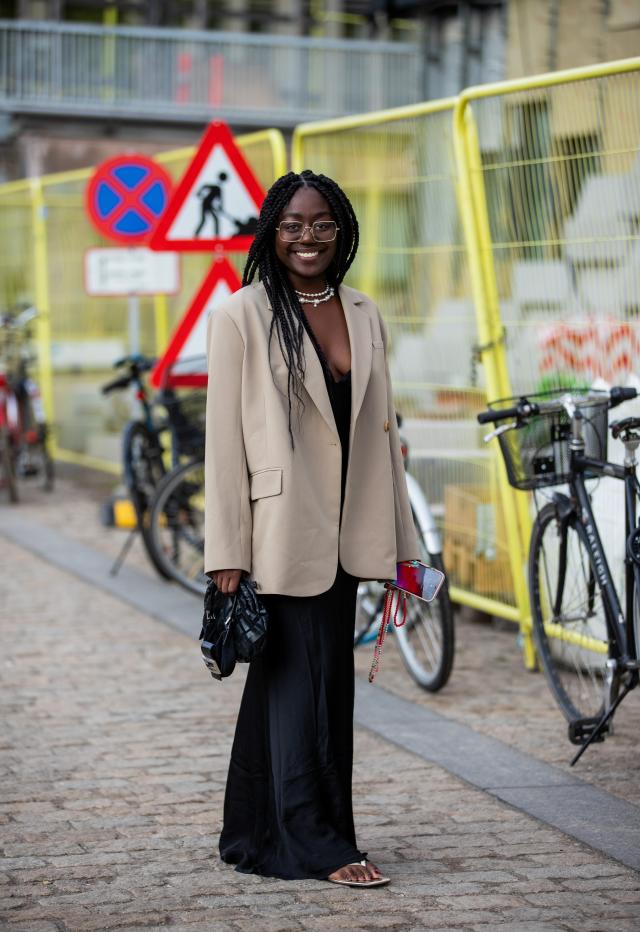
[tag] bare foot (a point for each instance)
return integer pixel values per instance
(357, 873)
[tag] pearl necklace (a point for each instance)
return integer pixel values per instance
(315, 298)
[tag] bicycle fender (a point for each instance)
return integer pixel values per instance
(424, 515)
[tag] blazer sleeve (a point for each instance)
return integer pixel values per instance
(407, 547)
(228, 525)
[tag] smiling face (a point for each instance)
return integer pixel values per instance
(306, 261)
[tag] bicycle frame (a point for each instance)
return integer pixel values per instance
(619, 624)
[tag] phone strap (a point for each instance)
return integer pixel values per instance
(384, 624)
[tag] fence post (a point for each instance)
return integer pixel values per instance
(473, 211)
(42, 303)
(161, 322)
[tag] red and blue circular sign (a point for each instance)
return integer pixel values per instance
(127, 196)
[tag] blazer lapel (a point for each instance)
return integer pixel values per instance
(315, 384)
(361, 350)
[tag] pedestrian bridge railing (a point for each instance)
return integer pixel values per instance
(188, 76)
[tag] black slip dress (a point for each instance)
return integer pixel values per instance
(288, 806)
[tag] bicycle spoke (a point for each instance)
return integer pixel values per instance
(429, 642)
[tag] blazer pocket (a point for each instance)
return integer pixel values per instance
(378, 344)
(265, 482)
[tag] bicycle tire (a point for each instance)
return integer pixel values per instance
(143, 471)
(427, 639)
(176, 527)
(564, 592)
(49, 474)
(7, 466)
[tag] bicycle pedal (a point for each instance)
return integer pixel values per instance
(582, 728)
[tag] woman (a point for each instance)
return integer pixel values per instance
(305, 490)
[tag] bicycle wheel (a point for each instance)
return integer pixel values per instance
(177, 526)
(143, 470)
(569, 623)
(34, 461)
(7, 466)
(427, 638)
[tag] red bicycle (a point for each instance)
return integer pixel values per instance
(24, 451)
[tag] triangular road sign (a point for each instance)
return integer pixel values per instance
(184, 362)
(217, 202)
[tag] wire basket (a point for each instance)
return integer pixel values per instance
(186, 419)
(536, 452)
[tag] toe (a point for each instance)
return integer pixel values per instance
(373, 872)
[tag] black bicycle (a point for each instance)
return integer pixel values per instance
(587, 642)
(143, 450)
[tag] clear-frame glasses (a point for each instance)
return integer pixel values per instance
(322, 231)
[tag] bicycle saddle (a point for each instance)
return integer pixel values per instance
(625, 424)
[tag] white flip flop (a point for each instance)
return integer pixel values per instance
(379, 882)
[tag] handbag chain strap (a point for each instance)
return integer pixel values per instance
(384, 624)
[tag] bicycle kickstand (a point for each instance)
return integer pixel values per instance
(124, 550)
(597, 731)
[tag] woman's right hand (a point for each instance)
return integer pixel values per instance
(226, 581)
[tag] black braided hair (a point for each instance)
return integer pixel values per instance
(262, 260)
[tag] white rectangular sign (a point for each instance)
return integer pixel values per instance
(134, 271)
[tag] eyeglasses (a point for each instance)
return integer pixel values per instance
(322, 231)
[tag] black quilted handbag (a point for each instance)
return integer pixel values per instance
(234, 628)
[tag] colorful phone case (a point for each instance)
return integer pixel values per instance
(418, 579)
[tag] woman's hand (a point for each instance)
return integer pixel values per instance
(226, 581)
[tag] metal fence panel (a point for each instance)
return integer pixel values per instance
(551, 170)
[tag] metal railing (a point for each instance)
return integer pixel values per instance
(149, 74)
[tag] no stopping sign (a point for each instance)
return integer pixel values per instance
(126, 197)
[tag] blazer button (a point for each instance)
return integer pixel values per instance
(386, 427)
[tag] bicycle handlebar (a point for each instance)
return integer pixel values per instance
(141, 363)
(526, 408)
(123, 382)
(137, 364)
(617, 395)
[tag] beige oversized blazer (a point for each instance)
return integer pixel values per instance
(274, 511)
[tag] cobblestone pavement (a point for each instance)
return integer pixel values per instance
(115, 743)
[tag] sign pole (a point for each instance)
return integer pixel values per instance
(134, 324)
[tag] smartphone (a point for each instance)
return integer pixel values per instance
(417, 578)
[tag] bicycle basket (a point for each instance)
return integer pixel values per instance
(186, 419)
(536, 451)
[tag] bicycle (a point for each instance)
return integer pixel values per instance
(586, 643)
(426, 640)
(24, 433)
(143, 454)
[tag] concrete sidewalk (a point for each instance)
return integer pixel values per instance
(116, 743)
